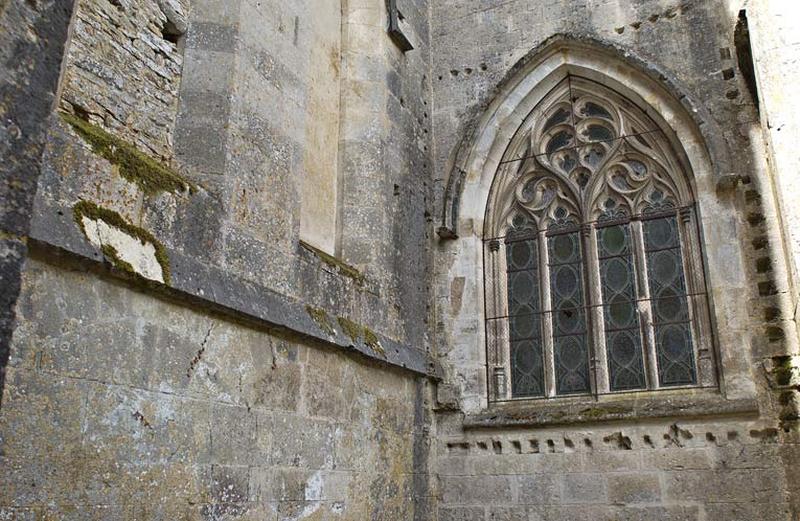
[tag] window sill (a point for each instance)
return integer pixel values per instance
(692, 403)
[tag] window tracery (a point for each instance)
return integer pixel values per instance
(594, 279)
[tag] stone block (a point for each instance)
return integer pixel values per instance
(224, 12)
(461, 513)
(613, 460)
(626, 488)
(278, 388)
(538, 489)
(485, 490)
(236, 435)
(214, 37)
(229, 484)
(725, 486)
(302, 442)
(754, 511)
(584, 488)
(676, 459)
(202, 148)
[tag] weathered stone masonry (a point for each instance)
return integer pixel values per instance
(242, 272)
(614, 458)
(189, 239)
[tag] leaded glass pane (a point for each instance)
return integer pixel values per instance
(560, 140)
(599, 133)
(527, 368)
(571, 353)
(671, 320)
(596, 111)
(559, 116)
(623, 337)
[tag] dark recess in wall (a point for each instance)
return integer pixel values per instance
(744, 55)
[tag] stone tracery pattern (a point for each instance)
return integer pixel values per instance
(589, 162)
(593, 155)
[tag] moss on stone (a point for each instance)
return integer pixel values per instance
(599, 412)
(350, 328)
(782, 369)
(113, 256)
(92, 211)
(150, 175)
(357, 333)
(320, 317)
(338, 264)
(372, 341)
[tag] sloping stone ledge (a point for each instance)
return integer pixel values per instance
(689, 404)
(212, 288)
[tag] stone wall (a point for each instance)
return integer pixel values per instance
(120, 405)
(687, 471)
(773, 35)
(179, 353)
(649, 456)
(123, 69)
(31, 50)
(235, 109)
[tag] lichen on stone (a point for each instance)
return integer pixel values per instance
(92, 211)
(320, 317)
(150, 175)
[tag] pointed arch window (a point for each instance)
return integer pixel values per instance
(594, 276)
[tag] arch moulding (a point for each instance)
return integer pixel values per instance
(487, 135)
(692, 134)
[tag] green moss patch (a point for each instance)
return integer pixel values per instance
(337, 264)
(113, 256)
(92, 211)
(357, 333)
(150, 175)
(320, 317)
(371, 340)
(599, 412)
(782, 369)
(350, 328)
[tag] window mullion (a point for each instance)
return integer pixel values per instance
(502, 370)
(547, 323)
(696, 300)
(645, 306)
(496, 329)
(594, 312)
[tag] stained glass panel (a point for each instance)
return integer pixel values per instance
(623, 337)
(671, 320)
(527, 368)
(596, 111)
(559, 116)
(571, 353)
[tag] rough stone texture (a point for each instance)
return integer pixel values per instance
(134, 408)
(774, 40)
(557, 461)
(244, 132)
(687, 471)
(123, 72)
(268, 380)
(32, 40)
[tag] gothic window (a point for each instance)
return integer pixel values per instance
(594, 277)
